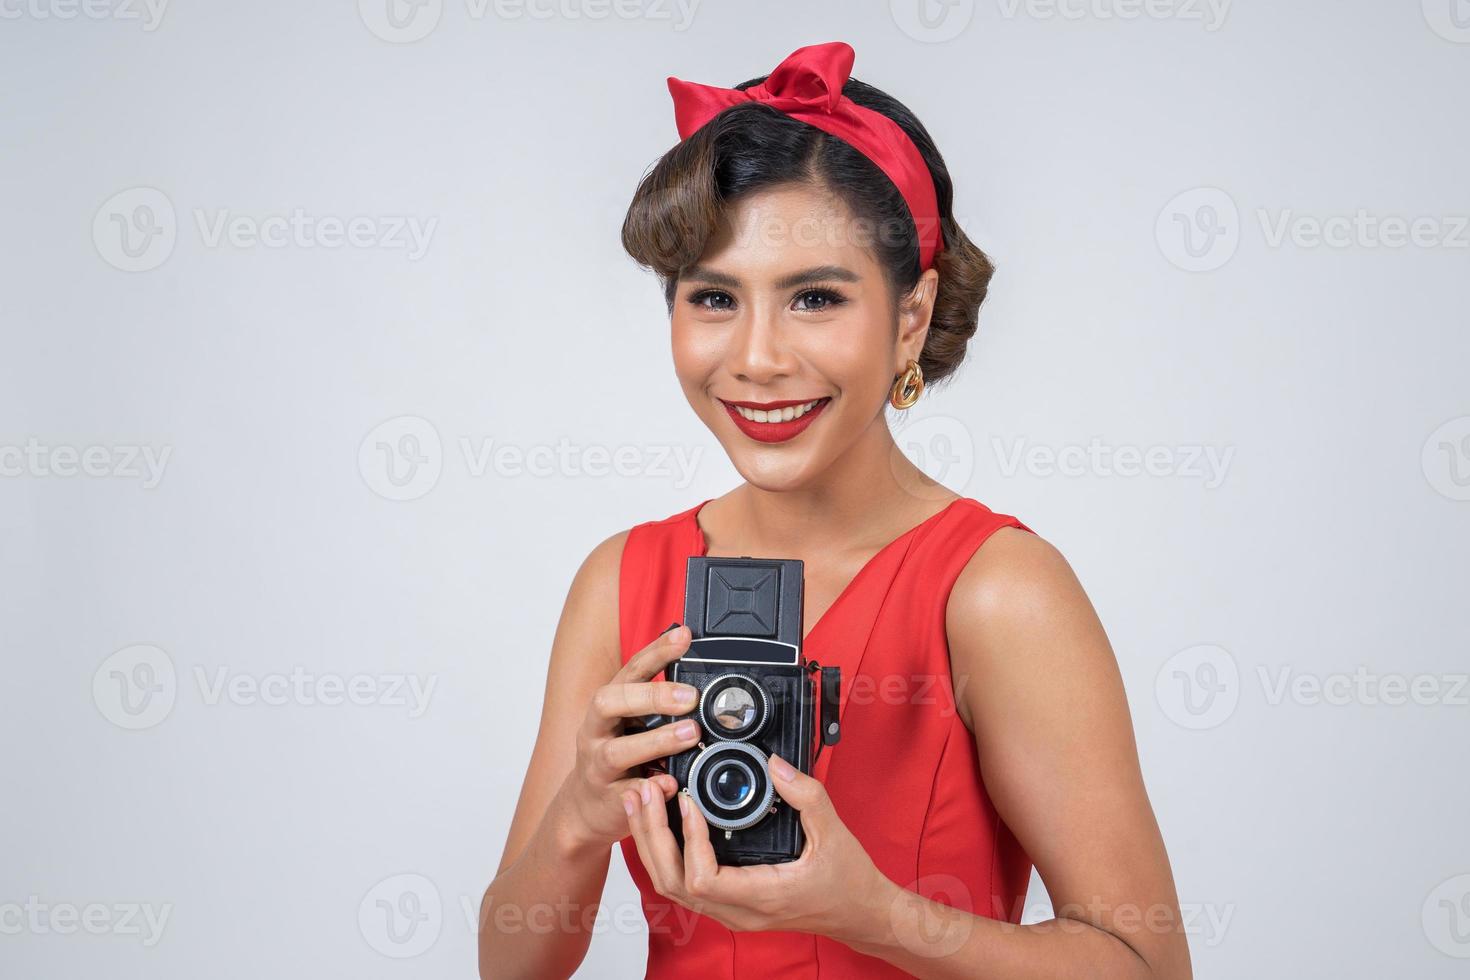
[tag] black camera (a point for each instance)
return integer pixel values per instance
(757, 695)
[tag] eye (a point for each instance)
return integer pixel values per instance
(713, 299)
(817, 300)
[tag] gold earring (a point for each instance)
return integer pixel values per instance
(908, 388)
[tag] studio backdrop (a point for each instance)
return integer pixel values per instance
(322, 369)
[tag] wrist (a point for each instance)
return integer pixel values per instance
(868, 924)
(569, 835)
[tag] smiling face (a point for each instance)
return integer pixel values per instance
(786, 339)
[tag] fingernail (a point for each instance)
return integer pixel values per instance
(679, 634)
(683, 804)
(627, 804)
(685, 729)
(684, 694)
(643, 791)
(782, 768)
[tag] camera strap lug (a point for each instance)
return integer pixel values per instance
(829, 680)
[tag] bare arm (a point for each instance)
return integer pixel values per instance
(536, 916)
(1046, 704)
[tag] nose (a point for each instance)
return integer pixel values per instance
(758, 351)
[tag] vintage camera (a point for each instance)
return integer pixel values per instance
(758, 695)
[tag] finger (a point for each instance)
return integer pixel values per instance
(647, 662)
(805, 793)
(706, 881)
(666, 876)
(636, 827)
(612, 702)
(662, 845)
(622, 753)
(666, 783)
(701, 867)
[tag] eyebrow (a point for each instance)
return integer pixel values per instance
(815, 273)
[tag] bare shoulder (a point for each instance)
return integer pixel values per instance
(1013, 576)
(590, 617)
(1019, 619)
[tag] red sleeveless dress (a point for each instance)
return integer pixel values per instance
(905, 778)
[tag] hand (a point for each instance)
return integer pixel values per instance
(591, 794)
(824, 891)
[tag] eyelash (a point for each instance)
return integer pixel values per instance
(831, 298)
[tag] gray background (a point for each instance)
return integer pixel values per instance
(326, 506)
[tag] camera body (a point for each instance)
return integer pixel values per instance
(758, 696)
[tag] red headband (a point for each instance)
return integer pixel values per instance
(808, 86)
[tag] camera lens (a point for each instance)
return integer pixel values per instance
(731, 783)
(728, 783)
(734, 706)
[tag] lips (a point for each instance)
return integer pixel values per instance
(775, 421)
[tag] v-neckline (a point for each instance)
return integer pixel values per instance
(701, 548)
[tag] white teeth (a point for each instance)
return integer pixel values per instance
(777, 414)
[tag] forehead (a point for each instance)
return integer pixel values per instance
(775, 229)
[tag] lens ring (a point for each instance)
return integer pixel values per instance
(729, 696)
(762, 795)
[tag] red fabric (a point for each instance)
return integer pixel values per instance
(808, 86)
(905, 777)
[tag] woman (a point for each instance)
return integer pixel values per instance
(813, 269)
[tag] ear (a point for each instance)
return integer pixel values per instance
(914, 313)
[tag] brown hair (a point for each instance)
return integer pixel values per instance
(679, 205)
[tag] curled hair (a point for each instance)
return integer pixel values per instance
(680, 205)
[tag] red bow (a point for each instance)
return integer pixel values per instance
(807, 86)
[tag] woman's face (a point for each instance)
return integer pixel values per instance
(786, 341)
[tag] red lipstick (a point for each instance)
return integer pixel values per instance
(774, 431)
